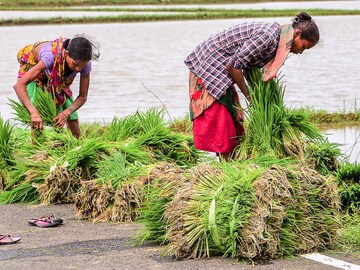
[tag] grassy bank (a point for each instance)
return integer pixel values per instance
(23, 3)
(202, 14)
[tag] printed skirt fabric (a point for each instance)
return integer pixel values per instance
(216, 123)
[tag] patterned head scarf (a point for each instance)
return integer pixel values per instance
(284, 46)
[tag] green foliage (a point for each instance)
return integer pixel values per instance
(152, 213)
(116, 169)
(6, 155)
(349, 173)
(323, 156)
(218, 208)
(348, 177)
(349, 234)
(271, 128)
(148, 130)
(44, 103)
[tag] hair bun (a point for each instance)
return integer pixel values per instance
(296, 19)
(301, 17)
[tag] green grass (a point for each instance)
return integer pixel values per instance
(22, 3)
(196, 14)
(349, 235)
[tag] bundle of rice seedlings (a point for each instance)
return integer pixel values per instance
(44, 102)
(59, 186)
(3, 178)
(86, 154)
(323, 156)
(149, 130)
(124, 179)
(163, 182)
(128, 199)
(53, 167)
(250, 210)
(204, 216)
(22, 178)
(134, 125)
(295, 212)
(271, 128)
(169, 146)
(92, 130)
(122, 128)
(127, 180)
(92, 200)
(6, 155)
(182, 125)
(348, 178)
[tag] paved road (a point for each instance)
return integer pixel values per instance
(80, 244)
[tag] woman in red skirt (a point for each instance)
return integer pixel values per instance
(220, 62)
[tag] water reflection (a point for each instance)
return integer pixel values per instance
(349, 140)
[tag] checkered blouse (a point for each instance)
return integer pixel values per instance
(243, 46)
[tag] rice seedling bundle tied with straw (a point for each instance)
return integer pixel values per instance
(251, 210)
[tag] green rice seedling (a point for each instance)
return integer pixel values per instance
(23, 193)
(114, 170)
(349, 234)
(181, 125)
(86, 153)
(151, 214)
(350, 197)
(44, 103)
(6, 155)
(216, 209)
(19, 137)
(166, 145)
(323, 156)
(151, 119)
(23, 179)
(164, 180)
(248, 210)
(348, 173)
(348, 178)
(122, 128)
(135, 125)
(271, 128)
(135, 154)
(92, 130)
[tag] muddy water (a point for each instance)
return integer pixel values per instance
(348, 139)
(141, 63)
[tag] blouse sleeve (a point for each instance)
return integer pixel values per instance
(86, 70)
(47, 56)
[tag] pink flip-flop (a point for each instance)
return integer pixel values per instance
(46, 221)
(7, 239)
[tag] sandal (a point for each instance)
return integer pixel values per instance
(46, 221)
(7, 239)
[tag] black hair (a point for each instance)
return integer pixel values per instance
(308, 27)
(81, 48)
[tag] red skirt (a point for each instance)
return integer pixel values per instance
(215, 130)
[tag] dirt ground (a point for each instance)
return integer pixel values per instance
(80, 244)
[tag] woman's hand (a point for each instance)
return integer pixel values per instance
(36, 121)
(61, 119)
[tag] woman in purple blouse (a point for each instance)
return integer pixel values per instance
(221, 61)
(52, 66)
